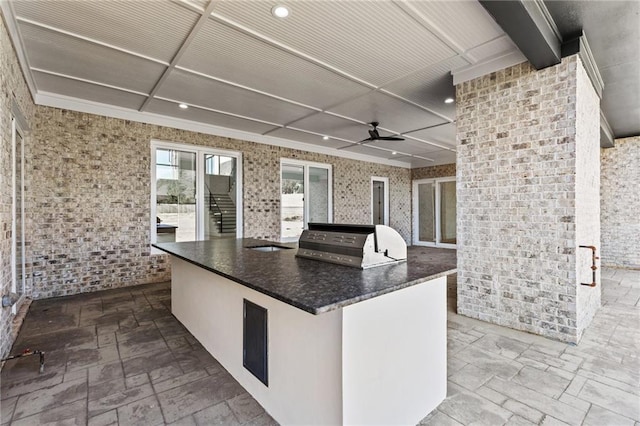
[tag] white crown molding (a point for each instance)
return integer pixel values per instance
(90, 107)
(466, 73)
(14, 35)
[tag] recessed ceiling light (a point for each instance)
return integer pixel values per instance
(280, 11)
(448, 101)
(394, 153)
(325, 138)
(183, 106)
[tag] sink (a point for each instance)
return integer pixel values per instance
(268, 247)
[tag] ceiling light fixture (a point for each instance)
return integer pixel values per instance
(448, 101)
(280, 11)
(183, 106)
(394, 153)
(325, 138)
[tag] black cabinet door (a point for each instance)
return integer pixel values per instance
(254, 353)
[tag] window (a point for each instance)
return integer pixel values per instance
(434, 212)
(196, 193)
(306, 196)
(380, 201)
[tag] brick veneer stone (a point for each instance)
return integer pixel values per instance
(12, 88)
(90, 193)
(620, 195)
(518, 212)
(443, 170)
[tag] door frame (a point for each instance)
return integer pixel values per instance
(416, 219)
(305, 208)
(384, 180)
(18, 127)
(200, 152)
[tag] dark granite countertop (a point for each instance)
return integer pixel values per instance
(310, 285)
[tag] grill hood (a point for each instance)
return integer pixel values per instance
(358, 246)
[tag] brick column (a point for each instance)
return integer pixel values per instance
(527, 190)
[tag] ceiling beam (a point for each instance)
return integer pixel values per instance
(174, 62)
(531, 28)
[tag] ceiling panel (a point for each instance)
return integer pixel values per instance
(431, 86)
(497, 47)
(228, 54)
(390, 112)
(408, 146)
(445, 134)
(332, 126)
(467, 23)
(152, 28)
(200, 91)
(304, 137)
(366, 47)
(63, 54)
(91, 92)
(368, 150)
(159, 106)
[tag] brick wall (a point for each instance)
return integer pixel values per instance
(516, 191)
(587, 197)
(90, 194)
(12, 89)
(444, 170)
(620, 198)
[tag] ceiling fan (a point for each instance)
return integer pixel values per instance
(375, 136)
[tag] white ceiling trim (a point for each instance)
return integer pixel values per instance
(488, 66)
(307, 132)
(437, 145)
(90, 40)
(12, 27)
(81, 105)
(241, 86)
(434, 29)
(183, 47)
(84, 80)
(217, 111)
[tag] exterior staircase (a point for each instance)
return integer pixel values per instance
(223, 213)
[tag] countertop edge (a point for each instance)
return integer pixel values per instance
(303, 307)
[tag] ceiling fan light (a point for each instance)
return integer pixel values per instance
(280, 11)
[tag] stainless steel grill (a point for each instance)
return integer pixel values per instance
(359, 246)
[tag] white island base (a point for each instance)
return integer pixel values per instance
(379, 361)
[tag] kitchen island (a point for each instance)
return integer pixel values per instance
(342, 345)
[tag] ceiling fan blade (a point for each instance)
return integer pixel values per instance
(367, 140)
(390, 138)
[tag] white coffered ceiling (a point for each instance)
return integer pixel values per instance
(330, 68)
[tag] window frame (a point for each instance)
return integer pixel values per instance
(200, 151)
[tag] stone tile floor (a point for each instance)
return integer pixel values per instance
(119, 357)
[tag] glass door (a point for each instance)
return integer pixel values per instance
(434, 212)
(196, 193)
(380, 201)
(220, 200)
(292, 201)
(175, 195)
(305, 192)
